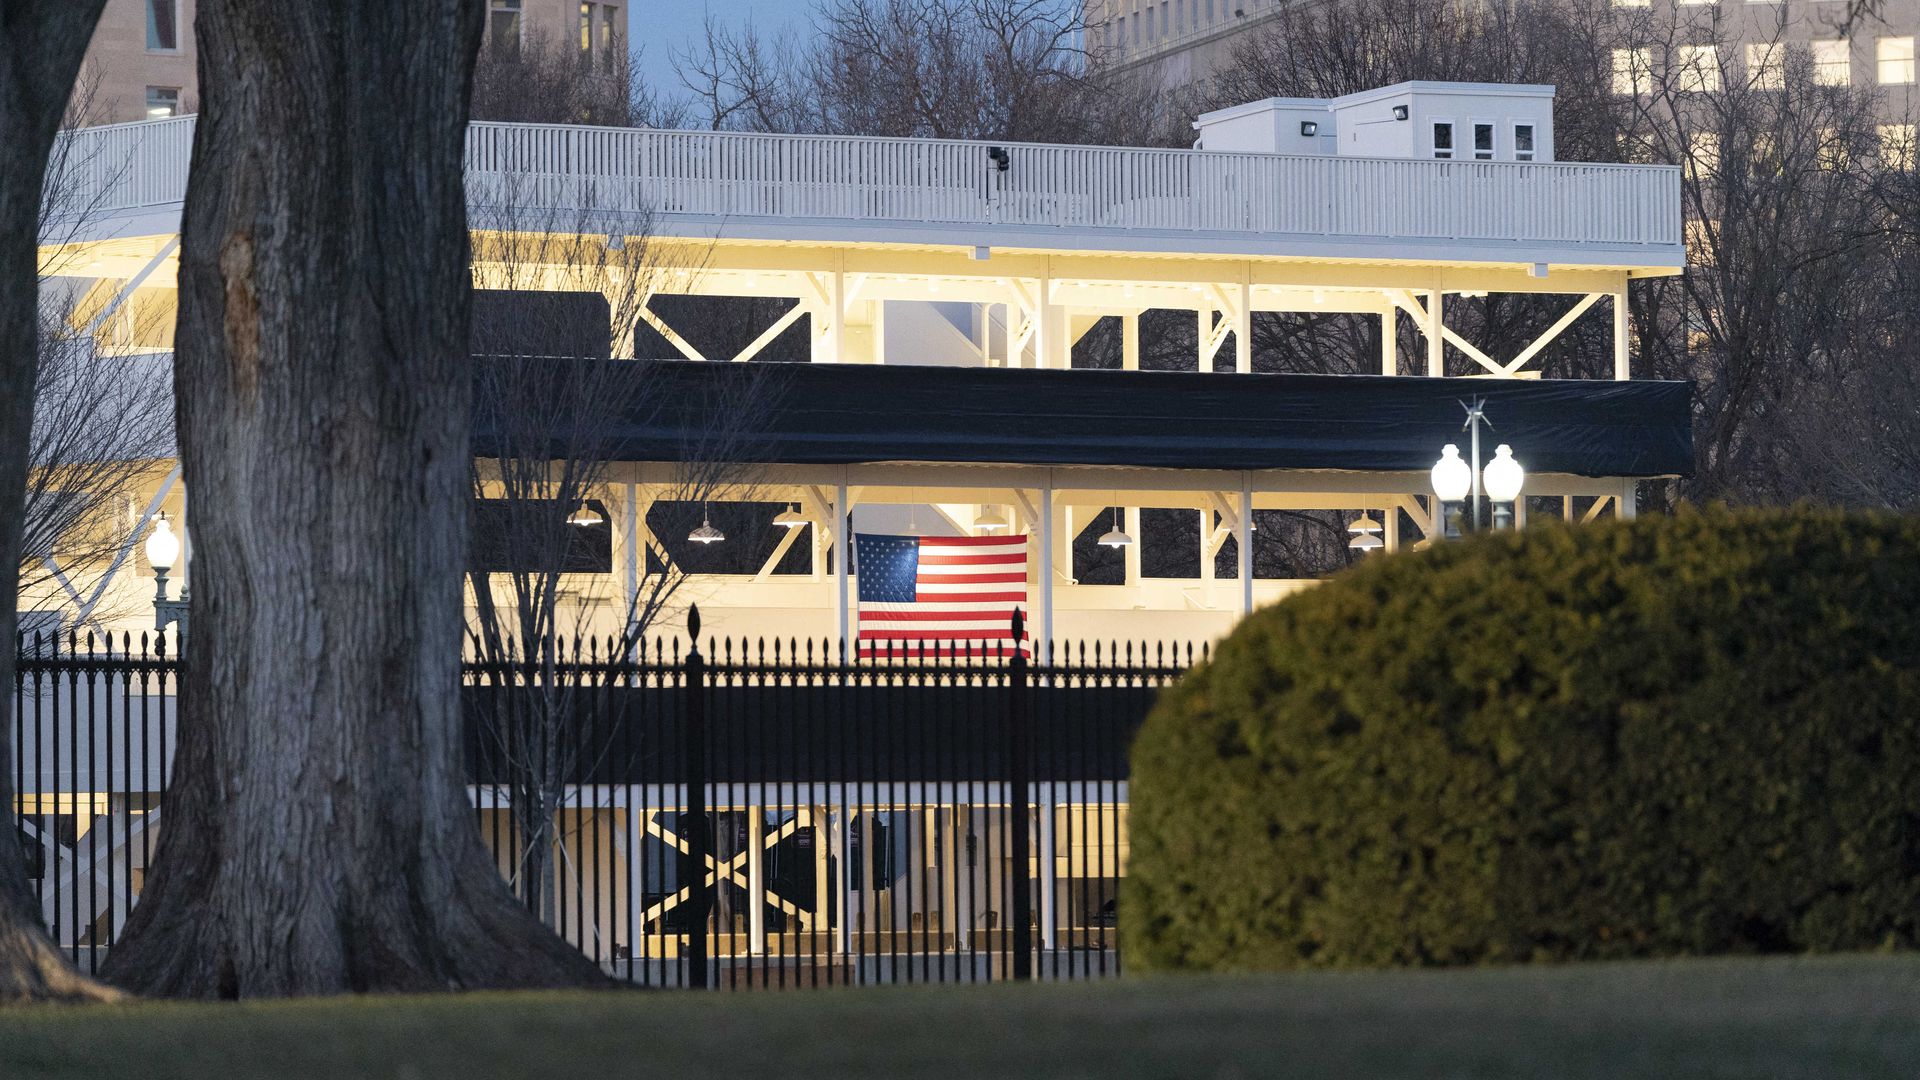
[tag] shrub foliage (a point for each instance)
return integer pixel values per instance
(1667, 736)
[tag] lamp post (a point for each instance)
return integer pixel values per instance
(1455, 480)
(163, 553)
(1452, 482)
(1504, 478)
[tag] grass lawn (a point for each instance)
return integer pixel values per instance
(1832, 1017)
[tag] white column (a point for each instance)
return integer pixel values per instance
(632, 545)
(1246, 544)
(1202, 326)
(1389, 342)
(820, 821)
(841, 829)
(1049, 881)
(1435, 333)
(636, 882)
(1243, 325)
(1629, 504)
(951, 889)
(1390, 529)
(1046, 570)
(1132, 551)
(842, 525)
(1621, 360)
(837, 328)
(757, 880)
(1044, 328)
(1130, 341)
(1206, 556)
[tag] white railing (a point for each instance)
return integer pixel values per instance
(742, 178)
(120, 167)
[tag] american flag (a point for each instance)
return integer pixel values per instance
(943, 594)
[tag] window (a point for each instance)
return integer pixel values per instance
(586, 27)
(1699, 237)
(1896, 146)
(1483, 142)
(609, 32)
(1632, 3)
(1834, 153)
(162, 102)
(1896, 60)
(1699, 67)
(1443, 138)
(163, 26)
(1523, 142)
(1767, 65)
(1632, 71)
(1832, 63)
(503, 24)
(1703, 155)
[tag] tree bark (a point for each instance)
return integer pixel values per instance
(41, 43)
(318, 838)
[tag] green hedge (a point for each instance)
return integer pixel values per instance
(1668, 736)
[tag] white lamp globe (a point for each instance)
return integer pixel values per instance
(1503, 475)
(163, 548)
(1452, 478)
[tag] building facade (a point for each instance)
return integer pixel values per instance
(1185, 42)
(140, 65)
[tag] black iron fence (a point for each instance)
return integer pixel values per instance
(747, 815)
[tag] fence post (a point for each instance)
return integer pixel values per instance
(1020, 799)
(694, 828)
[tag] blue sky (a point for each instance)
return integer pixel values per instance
(661, 26)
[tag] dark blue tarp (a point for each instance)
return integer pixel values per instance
(840, 414)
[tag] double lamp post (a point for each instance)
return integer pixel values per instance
(1457, 482)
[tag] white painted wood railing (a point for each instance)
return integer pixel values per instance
(745, 177)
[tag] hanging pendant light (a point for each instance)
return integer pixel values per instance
(706, 533)
(1365, 523)
(1116, 537)
(585, 516)
(1365, 542)
(990, 520)
(789, 518)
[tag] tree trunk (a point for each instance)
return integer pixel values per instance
(318, 838)
(41, 43)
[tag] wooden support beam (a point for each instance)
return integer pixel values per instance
(1552, 332)
(766, 336)
(680, 344)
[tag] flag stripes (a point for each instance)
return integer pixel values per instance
(939, 595)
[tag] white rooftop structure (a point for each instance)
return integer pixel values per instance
(1441, 121)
